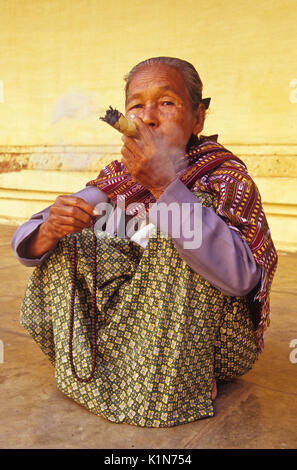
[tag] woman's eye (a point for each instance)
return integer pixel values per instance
(167, 103)
(136, 106)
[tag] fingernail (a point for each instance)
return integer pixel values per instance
(95, 212)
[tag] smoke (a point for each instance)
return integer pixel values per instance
(74, 119)
(173, 150)
(76, 104)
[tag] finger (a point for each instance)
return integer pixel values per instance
(78, 202)
(143, 129)
(71, 221)
(129, 159)
(66, 229)
(76, 214)
(134, 146)
(127, 152)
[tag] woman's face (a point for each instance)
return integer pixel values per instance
(157, 94)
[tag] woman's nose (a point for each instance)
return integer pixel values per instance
(150, 116)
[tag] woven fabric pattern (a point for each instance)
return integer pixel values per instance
(214, 169)
(163, 332)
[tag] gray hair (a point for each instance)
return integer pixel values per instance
(188, 72)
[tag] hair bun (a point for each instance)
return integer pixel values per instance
(206, 102)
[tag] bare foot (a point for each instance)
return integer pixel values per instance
(214, 390)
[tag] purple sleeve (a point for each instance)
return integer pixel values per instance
(21, 237)
(220, 255)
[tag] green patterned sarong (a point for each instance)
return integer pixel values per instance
(163, 332)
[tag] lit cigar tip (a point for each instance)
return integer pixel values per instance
(120, 122)
(111, 116)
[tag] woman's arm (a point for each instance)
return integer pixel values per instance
(223, 258)
(34, 240)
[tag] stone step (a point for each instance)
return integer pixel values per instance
(23, 193)
(261, 160)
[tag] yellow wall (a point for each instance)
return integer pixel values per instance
(244, 50)
(62, 64)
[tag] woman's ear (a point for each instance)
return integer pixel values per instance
(200, 115)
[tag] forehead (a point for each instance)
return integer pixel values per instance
(157, 77)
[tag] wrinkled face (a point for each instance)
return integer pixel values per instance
(158, 95)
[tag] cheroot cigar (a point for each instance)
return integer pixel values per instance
(119, 122)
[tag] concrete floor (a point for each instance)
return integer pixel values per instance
(256, 411)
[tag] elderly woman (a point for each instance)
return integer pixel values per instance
(139, 327)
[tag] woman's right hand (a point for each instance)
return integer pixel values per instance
(68, 214)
